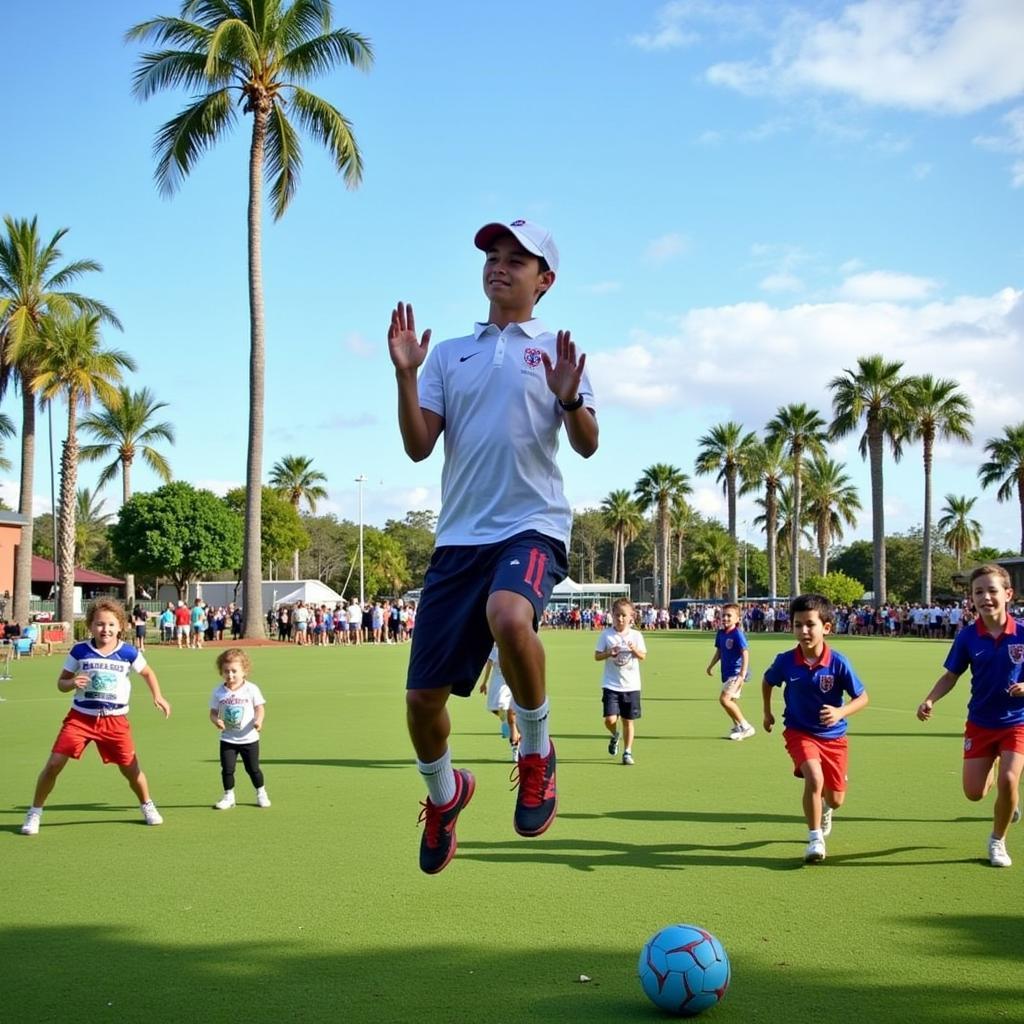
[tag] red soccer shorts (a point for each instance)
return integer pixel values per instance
(111, 733)
(990, 743)
(802, 746)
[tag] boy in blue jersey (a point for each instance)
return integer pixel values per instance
(816, 679)
(733, 653)
(993, 648)
(501, 396)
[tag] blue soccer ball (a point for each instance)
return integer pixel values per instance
(684, 969)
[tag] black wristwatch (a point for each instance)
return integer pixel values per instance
(576, 403)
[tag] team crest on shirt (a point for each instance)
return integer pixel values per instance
(531, 357)
(825, 683)
(728, 644)
(1016, 652)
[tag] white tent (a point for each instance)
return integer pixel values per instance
(309, 592)
(571, 592)
(274, 592)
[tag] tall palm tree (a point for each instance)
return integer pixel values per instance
(876, 393)
(681, 519)
(784, 521)
(802, 432)
(294, 478)
(34, 283)
(657, 488)
(256, 52)
(623, 520)
(1005, 467)
(708, 566)
(724, 450)
(959, 530)
(938, 411)
(767, 467)
(832, 502)
(90, 524)
(122, 432)
(74, 365)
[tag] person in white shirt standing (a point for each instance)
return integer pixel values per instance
(621, 648)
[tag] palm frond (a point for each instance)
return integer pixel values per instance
(321, 55)
(332, 129)
(183, 139)
(233, 41)
(168, 69)
(174, 31)
(283, 160)
(303, 19)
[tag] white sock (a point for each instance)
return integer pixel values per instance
(533, 728)
(439, 778)
(35, 810)
(814, 833)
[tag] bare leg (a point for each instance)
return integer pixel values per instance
(611, 723)
(1008, 791)
(814, 786)
(48, 778)
(428, 721)
(628, 732)
(732, 709)
(136, 779)
(510, 616)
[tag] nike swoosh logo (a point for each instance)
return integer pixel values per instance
(462, 359)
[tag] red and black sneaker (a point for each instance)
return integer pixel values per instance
(537, 799)
(438, 845)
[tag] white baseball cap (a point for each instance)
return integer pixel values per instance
(532, 237)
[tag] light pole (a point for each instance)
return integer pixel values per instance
(53, 506)
(745, 590)
(361, 479)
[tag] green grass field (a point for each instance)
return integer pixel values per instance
(315, 910)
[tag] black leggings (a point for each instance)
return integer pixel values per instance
(250, 759)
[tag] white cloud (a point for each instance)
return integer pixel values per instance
(1012, 141)
(666, 248)
(884, 286)
(219, 487)
(682, 23)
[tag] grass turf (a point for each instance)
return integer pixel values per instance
(315, 909)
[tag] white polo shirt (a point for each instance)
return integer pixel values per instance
(501, 425)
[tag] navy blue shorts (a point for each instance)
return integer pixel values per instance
(452, 638)
(621, 703)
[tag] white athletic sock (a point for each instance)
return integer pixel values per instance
(533, 729)
(35, 810)
(814, 833)
(439, 778)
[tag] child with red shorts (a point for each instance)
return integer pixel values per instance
(993, 648)
(97, 673)
(816, 679)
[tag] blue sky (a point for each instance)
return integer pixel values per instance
(746, 196)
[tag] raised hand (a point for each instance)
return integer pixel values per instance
(406, 350)
(564, 375)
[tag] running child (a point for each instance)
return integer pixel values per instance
(733, 653)
(501, 395)
(621, 648)
(499, 700)
(237, 709)
(993, 649)
(816, 679)
(96, 672)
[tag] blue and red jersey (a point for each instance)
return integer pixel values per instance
(995, 664)
(809, 688)
(731, 643)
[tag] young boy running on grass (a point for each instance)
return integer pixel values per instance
(500, 395)
(499, 700)
(816, 678)
(993, 649)
(621, 648)
(733, 652)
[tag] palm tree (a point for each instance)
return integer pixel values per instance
(623, 520)
(708, 566)
(33, 285)
(258, 53)
(784, 521)
(74, 364)
(294, 478)
(6, 430)
(802, 431)
(876, 393)
(660, 485)
(1005, 467)
(832, 502)
(938, 410)
(960, 531)
(90, 524)
(724, 450)
(767, 466)
(681, 519)
(123, 431)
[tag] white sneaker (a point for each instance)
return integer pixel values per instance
(31, 826)
(742, 732)
(815, 852)
(826, 820)
(226, 802)
(997, 855)
(735, 732)
(262, 800)
(150, 813)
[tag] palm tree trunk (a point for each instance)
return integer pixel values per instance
(23, 558)
(252, 589)
(1020, 500)
(877, 513)
(666, 552)
(771, 512)
(295, 564)
(734, 572)
(926, 554)
(794, 530)
(66, 522)
(126, 493)
(823, 539)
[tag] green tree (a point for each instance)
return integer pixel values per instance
(33, 285)
(90, 525)
(1005, 467)
(587, 544)
(281, 529)
(766, 468)
(832, 502)
(74, 365)
(177, 532)
(122, 432)
(259, 54)
(415, 536)
(938, 411)
(658, 487)
(959, 530)
(836, 586)
(333, 546)
(707, 567)
(724, 450)
(802, 432)
(385, 572)
(623, 519)
(877, 394)
(294, 478)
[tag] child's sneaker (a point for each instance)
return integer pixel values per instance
(734, 732)
(627, 757)
(613, 744)
(32, 820)
(537, 799)
(815, 852)
(150, 813)
(226, 802)
(438, 845)
(262, 800)
(997, 855)
(826, 820)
